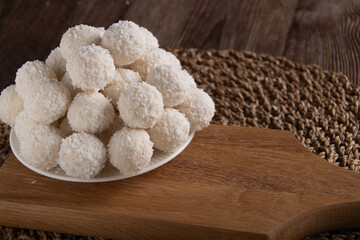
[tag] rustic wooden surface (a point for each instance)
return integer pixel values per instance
(228, 183)
(324, 32)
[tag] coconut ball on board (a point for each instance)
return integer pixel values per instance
(151, 40)
(67, 81)
(130, 150)
(198, 108)
(91, 68)
(56, 62)
(126, 42)
(22, 124)
(46, 100)
(82, 155)
(171, 83)
(79, 36)
(88, 91)
(140, 105)
(122, 79)
(29, 72)
(40, 146)
(171, 131)
(151, 59)
(90, 112)
(11, 105)
(114, 127)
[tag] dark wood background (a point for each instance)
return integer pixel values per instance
(323, 32)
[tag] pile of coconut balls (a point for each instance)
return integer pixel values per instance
(103, 94)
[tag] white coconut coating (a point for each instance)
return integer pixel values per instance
(91, 68)
(22, 124)
(56, 62)
(82, 155)
(102, 30)
(198, 108)
(46, 100)
(114, 127)
(189, 80)
(11, 105)
(141, 105)
(171, 82)
(90, 112)
(65, 127)
(130, 150)
(171, 131)
(126, 42)
(122, 79)
(67, 81)
(40, 146)
(79, 36)
(29, 72)
(151, 59)
(151, 40)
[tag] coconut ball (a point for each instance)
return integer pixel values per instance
(46, 100)
(114, 127)
(22, 124)
(79, 36)
(150, 39)
(66, 80)
(189, 79)
(65, 127)
(130, 150)
(171, 131)
(91, 68)
(198, 108)
(29, 72)
(126, 42)
(141, 105)
(40, 146)
(90, 112)
(10, 105)
(82, 155)
(151, 59)
(56, 62)
(102, 30)
(122, 79)
(171, 82)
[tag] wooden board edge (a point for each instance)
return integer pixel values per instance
(108, 225)
(329, 218)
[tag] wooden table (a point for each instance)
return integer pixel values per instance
(323, 32)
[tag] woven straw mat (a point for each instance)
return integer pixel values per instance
(321, 108)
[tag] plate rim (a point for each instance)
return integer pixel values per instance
(95, 180)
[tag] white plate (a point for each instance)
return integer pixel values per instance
(109, 173)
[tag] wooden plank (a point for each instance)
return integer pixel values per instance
(230, 183)
(260, 26)
(31, 29)
(325, 33)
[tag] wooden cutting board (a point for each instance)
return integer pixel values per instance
(230, 183)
